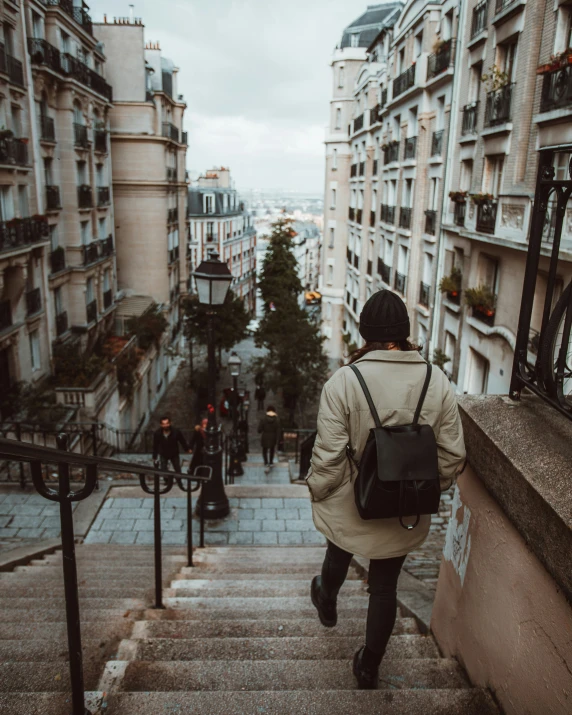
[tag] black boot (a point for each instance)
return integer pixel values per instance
(366, 673)
(327, 611)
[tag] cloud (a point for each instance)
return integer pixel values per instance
(256, 77)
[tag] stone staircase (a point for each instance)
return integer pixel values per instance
(239, 636)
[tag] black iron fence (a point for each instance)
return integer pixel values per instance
(64, 495)
(441, 60)
(358, 123)
(556, 89)
(459, 213)
(170, 131)
(410, 148)
(430, 222)
(14, 150)
(387, 213)
(549, 373)
(405, 217)
(47, 128)
(21, 232)
(400, 282)
(53, 202)
(487, 216)
(404, 81)
(391, 152)
(498, 106)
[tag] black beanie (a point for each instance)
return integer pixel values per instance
(384, 318)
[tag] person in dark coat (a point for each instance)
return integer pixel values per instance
(260, 395)
(166, 441)
(270, 431)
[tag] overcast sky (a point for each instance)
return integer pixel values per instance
(256, 78)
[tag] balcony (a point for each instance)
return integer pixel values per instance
(61, 323)
(501, 5)
(5, 315)
(42, 53)
(79, 14)
(359, 213)
(556, 89)
(375, 167)
(103, 196)
(79, 71)
(470, 114)
(459, 213)
(106, 246)
(15, 70)
(387, 213)
(47, 129)
(362, 168)
(369, 268)
(212, 236)
(91, 312)
(405, 81)
(80, 135)
(383, 97)
(185, 138)
(170, 131)
(391, 152)
(384, 271)
(424, 294)
(107, 299)
(173, 254)
(497, 108)
(349, 256)
(372, 219)
(14, 151)
(171, 173)
(3, 67)
(53, 202)
(430, 221)
(441, 60)
(479, 22)
(57, 260)
(358, 123)
(33, 302)
(172, 216)
(21, 232)
(405, 217)
(84, 196)
(353, 171)
(375, 114)
(100, 140)
(356, 261)
(91, 253)
(485, 315)
(437, 143)
(487, 216)
(400, 282)
(410, 148)
(352, 214)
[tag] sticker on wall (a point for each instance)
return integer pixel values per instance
(458, 541)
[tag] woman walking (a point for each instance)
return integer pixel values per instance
(394, 373)
(270, 431)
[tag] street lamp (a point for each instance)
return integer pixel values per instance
(234, 365)
(213, 279)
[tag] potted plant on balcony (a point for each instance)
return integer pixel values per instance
(482, 300)
(6, 133)
(451, 284)
(482, 197)
(459, 197)
(148, 327)
(440, 358)
(440, 45)
(495, 79)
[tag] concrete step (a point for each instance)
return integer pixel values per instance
(229, 675)
(278, 649)
(47, 592)
(117, 628)
(8, 604)
(263, 605)
(287, 608)
(126, 581)
(42, 677)
(31, 651)
(88, 614)
(253, 568)
(254, 587)
(199, 574)
(270, 628)
(327, 702)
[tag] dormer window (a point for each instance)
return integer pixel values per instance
(209, 203)
(354, 40)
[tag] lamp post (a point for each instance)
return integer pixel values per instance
(234, 365)
(213, 279)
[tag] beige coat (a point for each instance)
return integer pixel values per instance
(394, 379)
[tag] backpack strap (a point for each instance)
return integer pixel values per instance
(367, 394)
(423, 393)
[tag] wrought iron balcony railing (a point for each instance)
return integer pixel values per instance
(15, 70)
(91, 253)
(171, 215)
(80, 135)
(47, 129)
(22, 232)
(501, 5)
(33, 301)
(400, 282)
(383, 97)
(369, 268)
(459, 213)
(479, 22)
(362, 168)
(405, 217)
(170, 131)
(42, 53)
(375, 167)
(61, 323)
(14, 151)
(84, 196)
(100, 140)
(424, 294)
(103, 196)
(107, 299)
(384, 271)
(410, 148)
(53, 202)
(437, 142)
(358, 123)
(404, 81)
(353, 171)
(3, 67)
(440, 61)
(556, 89)
(498, 106)
(57, 260)
(5, 315)
(91, 312)
(359, 214)
(391, 152)
(351, 213)
(372, 219)
(470, 114)
(430, 221)
(79, 14)
(387, 213)
(173, 254)
(375, 114)
(78, 70)
(106, 246)
(487, 216)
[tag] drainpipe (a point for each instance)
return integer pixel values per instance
(438, 271)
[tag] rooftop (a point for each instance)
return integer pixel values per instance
(369, 24)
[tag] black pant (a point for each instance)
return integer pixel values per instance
(260, 404)
(265, 451)
(175, 461)
(382, 582)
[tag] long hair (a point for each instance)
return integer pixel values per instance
(404, 345)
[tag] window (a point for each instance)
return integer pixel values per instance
(354, 40)
(338, 118)
(388, 259)
(478, 375)
(402, 260)
(400, 61)
(48, 173)
(64, 41)
(412, 123)
(466, 174)
(335, 159)
(332, 237)
(506, 59)
(107, 280)
(84, 233)
(427, 269)
(418, 44)
(440, 119)
(330, 275)
(341, 76)
(16, 120)
(35, 359)
(487, 271)
(209, 204)
(9, 39)
(561, 163)
(407, 192)
(475, 82)
(100, 175)
(81, 173)
(422, 331)
(333, 198)
(102, 227)
(89, 291)
(494, 166)
(434, 193)
(23, 201)
(58, 301)
(54, 237)
(78, 115)
(37, 26)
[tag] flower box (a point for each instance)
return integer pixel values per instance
(481, 198)
(458, 196)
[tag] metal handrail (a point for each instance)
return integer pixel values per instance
(65, 496)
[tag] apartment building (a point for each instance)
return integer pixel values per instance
(508, 113)
(219, 220)
(347, 63)
(306, 249)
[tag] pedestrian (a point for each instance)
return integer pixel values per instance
(198, 445)
(270, 430)
(166, 441)
(394, 373)
(260, 395)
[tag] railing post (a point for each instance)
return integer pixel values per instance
(189, 525)
(70, 586)
(22, 472)
(157, 543)
(202, 507)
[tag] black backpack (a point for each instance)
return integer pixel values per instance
(398, 474)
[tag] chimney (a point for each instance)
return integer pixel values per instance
(131, 14)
